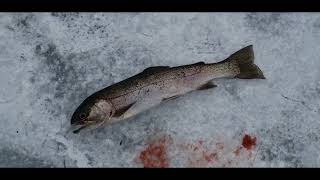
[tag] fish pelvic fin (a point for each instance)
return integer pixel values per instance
(244, 59)
(208, 85)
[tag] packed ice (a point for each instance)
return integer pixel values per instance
(50, 62)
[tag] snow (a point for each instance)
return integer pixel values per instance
(50, 62)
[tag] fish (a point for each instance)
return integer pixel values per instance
(157, 84)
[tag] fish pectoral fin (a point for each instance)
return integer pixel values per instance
(139, 107)
(121, 111)
(207, 85)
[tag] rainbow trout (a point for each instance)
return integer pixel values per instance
(157, 84)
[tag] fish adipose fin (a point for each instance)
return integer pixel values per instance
(244, 58)
(208, 85)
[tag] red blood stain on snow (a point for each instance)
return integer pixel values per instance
(248, 142)
(199, 155)
(155, 154)
(200, 142)
(219, 145)
(237, 151)
(209, 157)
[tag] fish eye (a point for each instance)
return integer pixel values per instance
(82, 116)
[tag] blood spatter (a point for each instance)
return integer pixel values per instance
(209, 157)
(200, 155)
(155, 154)
(219, 145)
(237, 151)
(200, 142)
(248, 142)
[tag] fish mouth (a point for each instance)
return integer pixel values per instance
(80, 125)
(85, 124)
(79, 129)
(76, 123)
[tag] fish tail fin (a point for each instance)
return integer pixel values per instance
(244, 59)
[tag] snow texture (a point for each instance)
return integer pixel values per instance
(50, 62)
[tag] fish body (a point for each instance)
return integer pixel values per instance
(160, 83)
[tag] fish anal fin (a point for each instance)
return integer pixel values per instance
(199, 63)
(207, 85)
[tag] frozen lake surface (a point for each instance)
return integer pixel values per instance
(50, 62)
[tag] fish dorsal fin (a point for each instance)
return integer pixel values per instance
(155, 69)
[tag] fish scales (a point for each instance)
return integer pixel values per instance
(156, 84)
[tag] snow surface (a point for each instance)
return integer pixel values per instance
(50, 62)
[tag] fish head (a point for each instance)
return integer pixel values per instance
(92, 114)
